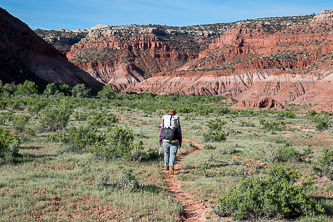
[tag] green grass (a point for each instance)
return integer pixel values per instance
(46, 169)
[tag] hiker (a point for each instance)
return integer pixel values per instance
(171, 136)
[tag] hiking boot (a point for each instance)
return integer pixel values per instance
(166, 168)
(172, 171)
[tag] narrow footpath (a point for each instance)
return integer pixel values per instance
(193, 210)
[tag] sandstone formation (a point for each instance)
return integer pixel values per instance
(257, 62)
(229, 101)
(291, 63)
(26, 56)
(258, 103)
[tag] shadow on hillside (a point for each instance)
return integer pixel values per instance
(24, 158)
(152, 188)
(327, 203)
(30, 148)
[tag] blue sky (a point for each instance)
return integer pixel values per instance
(71, 14)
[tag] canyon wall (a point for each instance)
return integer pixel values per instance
(26, 56)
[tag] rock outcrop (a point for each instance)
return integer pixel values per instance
(258, 103)
(26, 56)
(287, 59)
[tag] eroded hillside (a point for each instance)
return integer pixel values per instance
(283, 58)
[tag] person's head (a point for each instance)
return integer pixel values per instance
(172, 112)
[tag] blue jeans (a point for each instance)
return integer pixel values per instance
(170, 151)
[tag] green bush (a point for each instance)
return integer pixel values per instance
(107, 93)
(8, 143)
(289, 114)
(275, 195)
(284, 153)
(80, 91)
(227, 149)
(102, 180)
(247, 124)
(322, 125)
(80, 116)
(26, 89)
(207, 146)
(79, 138)
(273, 126)
(118, 144)
(325, 164)
(214, 136)
(98, 119)
(55, 117)
(216, 124)
(6, 90)
(288, 153)
(126, 181)
(20, 121)
(36, 105)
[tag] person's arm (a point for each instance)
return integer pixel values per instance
(160, 138)
(180, 136)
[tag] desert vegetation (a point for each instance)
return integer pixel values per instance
(67, 153)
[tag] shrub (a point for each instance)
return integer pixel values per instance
(207, 146)
(55, 117)
(275, 195)
(102, 119)
(118, 144)
(322, 125)
(273, 126)
(6, 90)
(228, 149)
(26, 89)
(272, 156)
(107, 93)
(126, 181)
(288, 153)
(289, 114)
(212, 136)
(80, 138)
(80, 116)
(36, 105)
(325, 164)
(20, 121)
(102, 180)
(80, 91)
(247, 124)
(216, 124)
(8, 143)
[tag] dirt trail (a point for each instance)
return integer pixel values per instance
(193, 210)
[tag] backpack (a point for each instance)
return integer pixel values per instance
(170, 130)
(171, 121)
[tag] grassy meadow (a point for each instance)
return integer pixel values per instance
(66, 155)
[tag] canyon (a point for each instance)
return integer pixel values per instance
(280, 60)
(288, 60)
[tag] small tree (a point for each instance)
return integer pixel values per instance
(107, 93)
(80, 91)
(26, 89)
(55, 118)
(50, 89)
(6, 90)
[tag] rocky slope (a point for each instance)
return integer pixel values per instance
(126, 55)
(287, 59)
(26, 56)
(295, 65)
